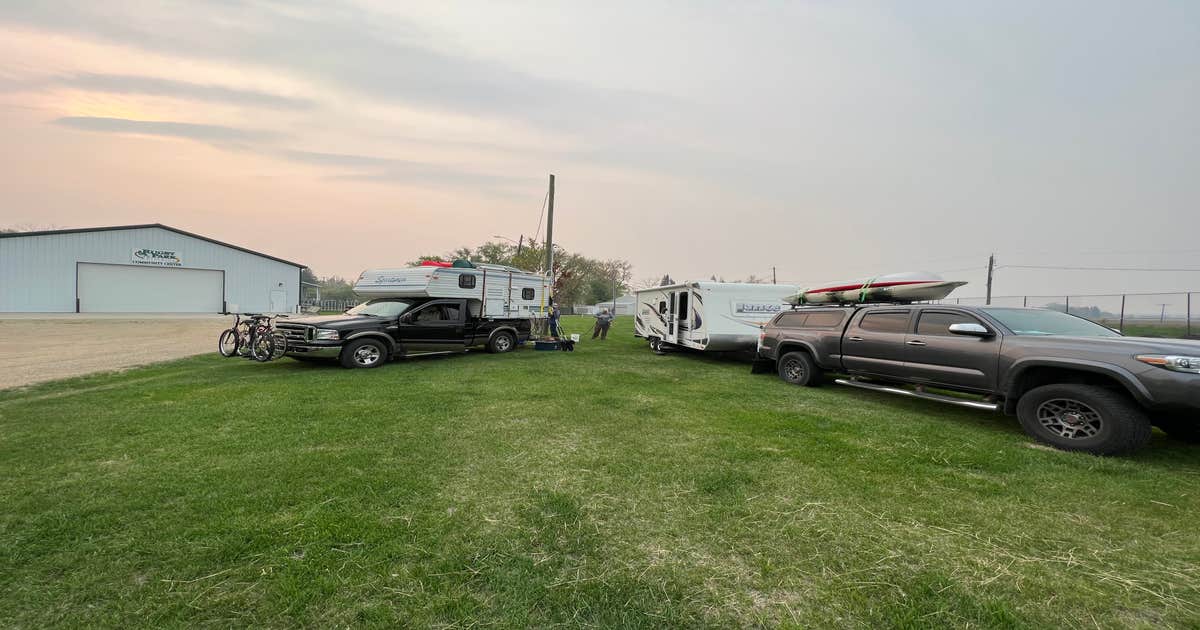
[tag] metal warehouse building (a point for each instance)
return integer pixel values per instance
(140, 269)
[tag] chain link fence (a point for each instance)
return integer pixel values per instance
(1138, 314)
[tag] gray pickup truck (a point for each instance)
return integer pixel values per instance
(1073, 384)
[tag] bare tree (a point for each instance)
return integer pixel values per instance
(648, 282)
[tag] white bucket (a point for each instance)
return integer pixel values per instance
(574, 338)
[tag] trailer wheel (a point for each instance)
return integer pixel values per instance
(501, 342)
(798, 368)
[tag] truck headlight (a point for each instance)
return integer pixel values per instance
(326, 334)
(1172, 362)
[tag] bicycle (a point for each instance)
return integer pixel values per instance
(253, 337)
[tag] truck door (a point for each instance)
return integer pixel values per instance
(434, 327)
(874, 342)
(940, 357)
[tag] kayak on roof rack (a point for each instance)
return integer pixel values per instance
(910, 286)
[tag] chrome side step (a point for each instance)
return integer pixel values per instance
(971, 404)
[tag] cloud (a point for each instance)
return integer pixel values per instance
(190, 131)
(369, 168)
(334, 159)
(382, 57)
(130, 84)
(363, 168)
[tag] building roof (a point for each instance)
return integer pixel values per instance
(152, 225)
(628, 298)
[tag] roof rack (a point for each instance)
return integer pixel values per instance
(795, 307)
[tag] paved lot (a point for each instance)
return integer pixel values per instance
(35, 348)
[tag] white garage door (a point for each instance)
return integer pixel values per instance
(133, 289)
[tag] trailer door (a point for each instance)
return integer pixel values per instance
(683, 308)
(671, 328)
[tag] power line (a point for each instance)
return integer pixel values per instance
(1095, 268)
(541, 214)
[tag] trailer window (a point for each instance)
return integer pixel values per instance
(526, 294)
(466, 281)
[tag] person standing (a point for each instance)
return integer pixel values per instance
(603, 321)
(555, 313)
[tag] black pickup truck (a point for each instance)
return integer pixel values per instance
(1072, 383)
(369, 334)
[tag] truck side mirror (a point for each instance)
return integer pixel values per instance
(970, 330)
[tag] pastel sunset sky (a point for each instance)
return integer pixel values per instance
(828, 139)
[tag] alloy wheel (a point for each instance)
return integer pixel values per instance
(1069, 418)
(793, 370)
(367, 355)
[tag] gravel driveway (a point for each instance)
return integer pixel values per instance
(36, 348)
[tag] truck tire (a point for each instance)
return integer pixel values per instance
(502, 341)
(364, 353)
(798, 368)
(1180, 426)
(1084, 418)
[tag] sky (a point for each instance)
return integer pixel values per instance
(826, 140)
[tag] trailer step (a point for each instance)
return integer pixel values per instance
(971, 404)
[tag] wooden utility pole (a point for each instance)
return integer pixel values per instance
(520, 242)
(773, 276)
(991, 269)
(550, 235)
(614, 311)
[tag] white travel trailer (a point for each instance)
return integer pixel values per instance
(714, 316)
(502, 291)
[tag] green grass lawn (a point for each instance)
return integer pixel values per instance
(605, 487)
(1172, 330)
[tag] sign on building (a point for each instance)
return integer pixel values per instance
(156, 257)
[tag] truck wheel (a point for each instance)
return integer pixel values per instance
(798, 368)
(1180, 426)
(501, 342)
(1084, 418)
(364, 353)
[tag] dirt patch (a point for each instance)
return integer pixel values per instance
(36, 350)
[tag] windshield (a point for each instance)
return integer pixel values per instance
(381, 308)
(1034, 321)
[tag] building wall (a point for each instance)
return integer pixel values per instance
(37, 273)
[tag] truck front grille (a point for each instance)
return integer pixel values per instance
(296, 333)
